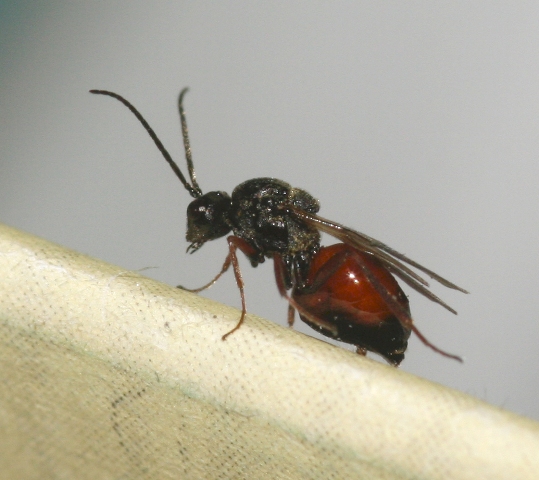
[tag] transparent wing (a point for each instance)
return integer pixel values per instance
(394, 261)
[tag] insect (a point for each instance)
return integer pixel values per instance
(346, 291)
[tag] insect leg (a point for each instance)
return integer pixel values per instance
(224, 268)
(291, 314)
(327, 270)
(403, 316)
(293, 305)
(279, 268)
(434, 347)
(233, 244)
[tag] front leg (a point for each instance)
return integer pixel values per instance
(250, 252)
(224, 268)
(233, 244)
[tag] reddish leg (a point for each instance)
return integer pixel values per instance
(278, 266)
(225, 267)
(233, 244)
(434, 347)
(403, 316)
(291, 315)
(292, 304)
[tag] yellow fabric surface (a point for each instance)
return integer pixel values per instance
(106, 374)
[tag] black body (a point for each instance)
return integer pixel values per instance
(259, 213)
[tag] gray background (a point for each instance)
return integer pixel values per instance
(416, 123)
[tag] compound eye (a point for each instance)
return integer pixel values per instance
(200, 213)
(208, 217)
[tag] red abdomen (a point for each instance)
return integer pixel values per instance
(340, 302)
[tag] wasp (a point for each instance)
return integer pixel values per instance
(346, 291)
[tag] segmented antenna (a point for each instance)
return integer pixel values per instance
(193, 188)
(186, 144)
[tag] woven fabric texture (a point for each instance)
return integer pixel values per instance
(105, 374)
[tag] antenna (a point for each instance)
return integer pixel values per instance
(193, 189)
